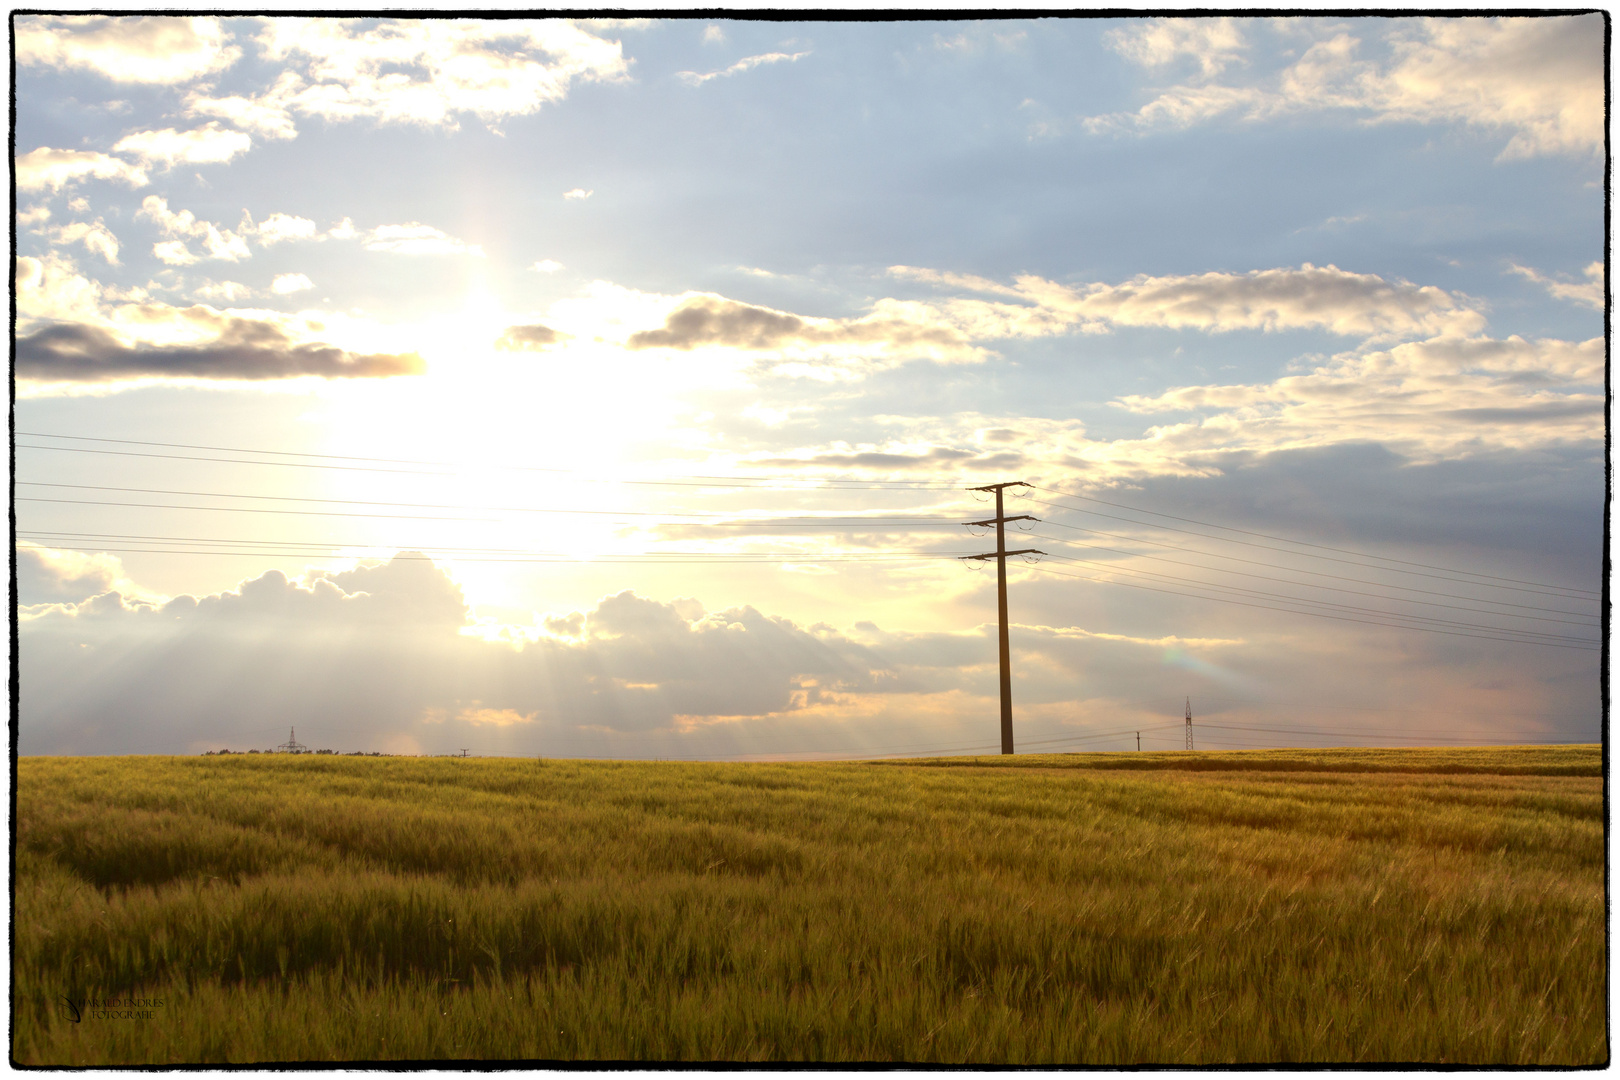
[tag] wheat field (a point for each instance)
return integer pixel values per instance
(1410, 906)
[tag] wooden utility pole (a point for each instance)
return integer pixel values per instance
(1000, 555)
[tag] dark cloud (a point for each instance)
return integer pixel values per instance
(527, 337)
(243, 349)
(713, 320)
(939, 455)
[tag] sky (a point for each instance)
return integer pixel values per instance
(617, 388)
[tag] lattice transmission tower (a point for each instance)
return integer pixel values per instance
(1189, 724)
(292, 745)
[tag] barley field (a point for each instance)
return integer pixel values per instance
(1409, 906)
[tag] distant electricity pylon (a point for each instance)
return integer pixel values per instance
(1000, 555)
(292, 745)
(1189, 724)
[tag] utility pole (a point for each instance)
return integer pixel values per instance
(1189, 724)
(1000, 555)
(1138, 742)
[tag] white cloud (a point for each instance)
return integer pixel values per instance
(1427, 400)
(51, 288)
(692, 78)
(1588, 293)
(343, 230)
(546, 266)
(278, 228)
(1310, 297)
(290, 283)
(578, 193)
(1214, 44)
(207, 145)
(94, 235)
(713, 35)
(1540, 80)
(46, 168)
(267, 115)
(415, 72)
(228, 291)
(146, 49)
(414, 238)
(32, 216)
(217, 243)
(174, 253)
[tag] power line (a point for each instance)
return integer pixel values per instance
(440, 464)
(1588, 622)
(1108, 568)
(1302, 570)
(443, 468)
(1389, 569)
(1301, 543)
(729, 519)
(1316, 614)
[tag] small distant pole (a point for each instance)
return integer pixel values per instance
(1138, 742)
(464, 751)
(1189, 724)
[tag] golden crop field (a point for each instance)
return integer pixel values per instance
(1417, 906)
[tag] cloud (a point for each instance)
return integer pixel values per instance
(692, 78)
(578, 193)
(52, 288)
(1427, 400)
(48, 169)
(243, 349)
(427, 73)
(94, 235)
(546, 266)
(47, 576)
(1214, 44)
(379, 650)
(279, 228)
(285, 284)
(1310, 297)
(897, 457)
(892, 332)
(1589, 293)
(32, 216)
(68, 337)
(145, 49)
(527, 337)
(228, 291)
(1539, 80)
(207, 145)
(217, 243)
(414, 238)
(378, 656)
(267, 115)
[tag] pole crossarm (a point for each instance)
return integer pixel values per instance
(992, 521)
(1003, 554)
